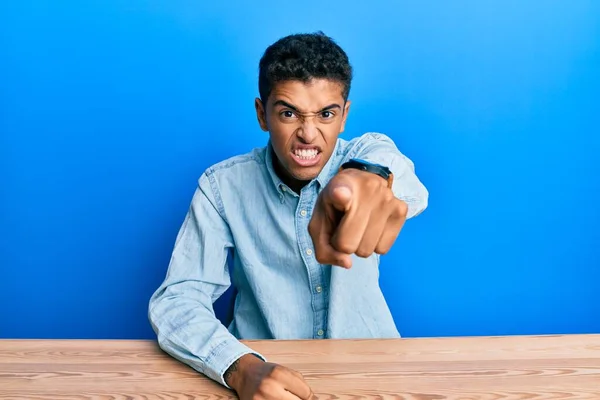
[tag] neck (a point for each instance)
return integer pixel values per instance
(293, 183)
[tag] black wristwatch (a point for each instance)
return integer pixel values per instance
(377, 169)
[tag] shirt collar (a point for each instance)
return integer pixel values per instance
(322, 179)
(278, 183)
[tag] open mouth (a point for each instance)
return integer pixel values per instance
(306, 157)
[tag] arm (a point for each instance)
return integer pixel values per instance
(357, 213)
(181, 311)
(183, 318)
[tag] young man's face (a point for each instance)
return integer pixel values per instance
(304, 121)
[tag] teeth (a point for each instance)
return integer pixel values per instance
(306, 154)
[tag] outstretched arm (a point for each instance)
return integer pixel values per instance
(357, 213)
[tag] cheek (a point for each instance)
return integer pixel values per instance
(280, 139)
(281, 133)
(331, 131)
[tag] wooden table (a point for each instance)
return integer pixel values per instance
(494, 368)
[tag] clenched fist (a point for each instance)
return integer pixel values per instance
(254, 379)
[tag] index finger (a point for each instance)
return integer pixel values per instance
(322, 229)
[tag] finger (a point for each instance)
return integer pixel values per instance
(373, 234)
(296, 385)
(392, 229)
(279, 393)
(321, 228)
(285, 395)
(339, 196)
(350, 231)
(300, 376)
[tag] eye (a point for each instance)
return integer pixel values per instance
(287, 114)
(327, 114)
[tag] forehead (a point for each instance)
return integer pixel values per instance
(308, 96)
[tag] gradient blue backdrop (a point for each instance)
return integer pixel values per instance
(110, 110)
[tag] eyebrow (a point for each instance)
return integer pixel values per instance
(288, 105)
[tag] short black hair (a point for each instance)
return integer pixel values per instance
(303, 57)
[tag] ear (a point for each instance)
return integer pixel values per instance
(345, 116)
(261, 114)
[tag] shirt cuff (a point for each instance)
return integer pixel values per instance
(223, 356)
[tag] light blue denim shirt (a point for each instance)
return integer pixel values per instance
(242, 208)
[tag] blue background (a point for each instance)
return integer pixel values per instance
(110, 110)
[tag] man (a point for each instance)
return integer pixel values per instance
(304, 218)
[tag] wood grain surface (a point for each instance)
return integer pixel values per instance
(472, 368)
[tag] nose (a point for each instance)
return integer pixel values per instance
(308, 132)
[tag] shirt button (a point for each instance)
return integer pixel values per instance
(309, 252)
(283, 189)
(319, 289)
(303, 213)
(320, 332)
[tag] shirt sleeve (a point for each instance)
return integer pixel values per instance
(380, 149)
(181, 310)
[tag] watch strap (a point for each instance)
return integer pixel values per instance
(366, 166)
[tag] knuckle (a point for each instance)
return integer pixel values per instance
(346, 248)
(382, 249)
(297, 374)
(276, 372)
(267, 386)
(373, 184)
(389, 196)
(402, 208)
(321, 259)
(363, 253)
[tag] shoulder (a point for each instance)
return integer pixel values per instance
(231, 174)
(351, 148)
(251, 159)
(238, 168)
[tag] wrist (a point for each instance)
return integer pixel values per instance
(234, 376)
(382, 171)
(358, 175)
